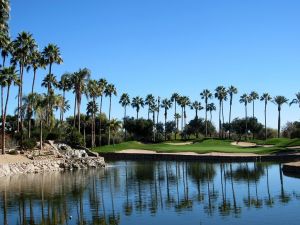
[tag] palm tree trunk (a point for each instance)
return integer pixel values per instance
(21, 103)
(230, 108)
(154, 126)
(223, 119)
(279, 121)
(137, 113)
(220, 109)
(182, 118)
(78, 111)
(41, 135)
(124, 122)
(246, 119)
(165, 123)
(109, 120)
(64, 102)
(265, 121)
(4, 120)
(75, 105)
(205, 117)
(100, 123)
(175, 114)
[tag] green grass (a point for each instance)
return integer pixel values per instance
(206, 146)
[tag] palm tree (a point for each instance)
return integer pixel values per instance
(279, 101)
(184, 101)
(4, 9)
(296, 100)
(41, 103)
(231, 91)
(253, 96)
(137, 102)
(197, 107)
(266, 98)
(92, 109)
(206, 95)
(80, 80)
(221, 95)
(125, 101)
(65, 84)
(149, 101)
(115, 126)
(177, 118)
(52, 54)
(9, 77)
(102, 85)
(93, 91)
(36, 62)
(210, 108)
(109, 91)
(245, 99)
(174, 98)
(22, 47)
(166, 104)
(49, 82)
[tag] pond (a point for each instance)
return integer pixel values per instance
(154, 192)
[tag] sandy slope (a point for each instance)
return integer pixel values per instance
(6, 159)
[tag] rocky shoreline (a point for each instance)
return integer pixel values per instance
(58, 157)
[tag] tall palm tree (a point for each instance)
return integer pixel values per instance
(80, 80)
(49, 82)
(52, 55)
(92, 109)
(4, 10)
(23, 47)
(137, 103)
(166, 105)
(279, 101)
(206, 95)
(197, 107)
(174, 98)
(8, 77)
(177, 118)
(36, 62)
(125, 101)
(109, 92)
(65, 84)
(210, 108)
(266, 98)
(231, 91)
(221, 95)
(40, 106)
(149, 101)
(93, 91)
(102, 85)
(253, 97)
(184, 101)
(245, 99)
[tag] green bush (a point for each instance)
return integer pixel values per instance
(74, 137)
(56, 134)
(29, 143)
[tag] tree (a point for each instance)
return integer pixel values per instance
(245, 99)
(9, 77)
(206, 95)
(296, 100)
(266, 98)
(279, 101)
(149, 101)
(110, 90)
(51, 55)
(184, 101)
(115, 126)
(231, 91)
(125, 101)
(253, 97)
(23, 47)
(80, 80)
(36, 61)
(137, 103)
(221, 95)
(166, 105)
(175, 98)
(197, 107)
(65, 84)
(93, 91)
(210, 108)
(102, 85)
(177, 118)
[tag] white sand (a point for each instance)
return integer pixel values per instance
(7, 159)
(244, 144)
(180, 143)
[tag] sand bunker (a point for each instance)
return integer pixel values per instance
(180, 143)
(244, 144)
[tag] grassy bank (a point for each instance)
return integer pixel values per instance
(207, 146)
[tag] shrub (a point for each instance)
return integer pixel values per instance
(74, 137)
(29, 143)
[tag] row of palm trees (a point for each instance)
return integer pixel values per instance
(221, 93)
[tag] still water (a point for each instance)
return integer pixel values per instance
(153, 193)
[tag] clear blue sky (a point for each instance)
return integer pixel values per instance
(164, 46)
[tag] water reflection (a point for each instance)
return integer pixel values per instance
(150, 193)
